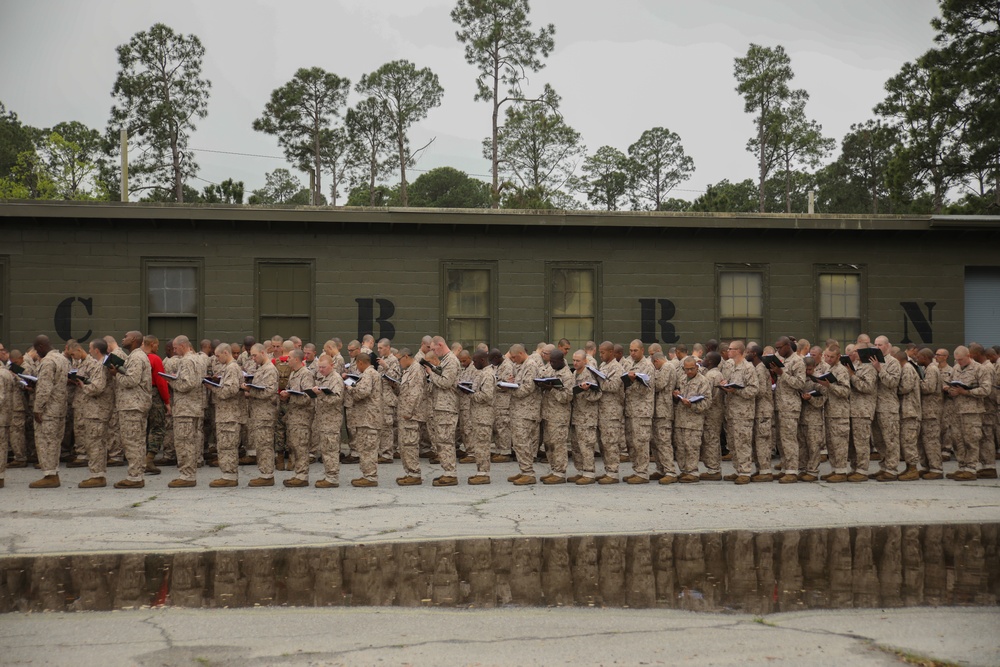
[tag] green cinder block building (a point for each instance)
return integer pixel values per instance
(77, 270)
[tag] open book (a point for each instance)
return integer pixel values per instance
(598, 374)
(641, 377)
(549, 383)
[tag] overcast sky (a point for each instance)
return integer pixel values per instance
(621, 67)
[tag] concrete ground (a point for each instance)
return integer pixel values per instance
(72, 520)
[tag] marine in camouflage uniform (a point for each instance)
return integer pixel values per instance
(557, 405)
(584, 420)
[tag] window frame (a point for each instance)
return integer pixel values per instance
(765, 304)
(860, 270)
(196, 263)
(492, 266)
(597, 268)
(284, 261)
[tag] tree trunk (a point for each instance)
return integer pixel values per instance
(760, 148)
(178, 179)
(788, 188)
(496, 119)
(371, 178)
(403, 196)
(317, 188)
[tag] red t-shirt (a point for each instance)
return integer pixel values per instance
(159, 381)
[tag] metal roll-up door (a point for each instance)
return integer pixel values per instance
(982, 305)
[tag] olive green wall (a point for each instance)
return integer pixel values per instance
(49, 261)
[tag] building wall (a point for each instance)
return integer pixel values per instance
(67, 277)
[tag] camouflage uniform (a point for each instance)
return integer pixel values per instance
(410, 411)
(188, 409)
(838, 418)
(689, 420)
(92, 412)
(298, 421)
(664, 383)
(639, 403)
(556, 408)
(133, 397)
(969, 408)
(886, 430)
(262, 413)
(116, 449)
(763, 426)
(988, 447)
(465, 375)
(910, 410)
(365, 415)
(170, 365)
(388, 365)
(481, 417)
(811, 432)
(525, 414)
(950, 427)
(18, 422)
(583, 422)
(280, 427)
(611, 417)
(931, 407)
(501, 411)
(444, 416)
(741, 408)
(788, 403)
(327, 422)
(9, 393)
(228, 416)
(50, 400)
(864, 384)
(711, 434)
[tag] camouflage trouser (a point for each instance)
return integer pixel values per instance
(909, 434)
(409, 446)
(261, 441)
(279, 429)
(48, 439)
(788, 441)
(299, 435)
(525, 440)
(556, 436)
(663, 446)
(442, 427)
(861, 442)
(227, 446)
(930, 445)
(92, 434)
(641, 434)
(762, 444)
(739, 437)
(367, 446)
(18, 444)
(810, 443)
(328, 432)
(115, 447)
(478, 446)
(838, 438)
(886, 436)
(208, 424)
(970, 437)
(132, 424)
(502, 432)
(612, 436)
(951, 429)
(387, 438)
(711, 442)
(988, 447)
(687, 443)
(4, 446)
(187, 442)
(156, 425)
(169, 450)
(584, 440)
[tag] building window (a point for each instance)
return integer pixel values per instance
(4, 333)
(572, 302)
(741, 304)
(173, 298)
(469, 302)
(284, 299)
(840, 308)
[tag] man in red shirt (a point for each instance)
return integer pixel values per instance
(157, 423)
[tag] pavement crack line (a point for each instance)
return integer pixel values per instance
(152, 621)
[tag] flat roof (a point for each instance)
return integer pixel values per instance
(345, 215)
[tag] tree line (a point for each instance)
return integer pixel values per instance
(932, 144)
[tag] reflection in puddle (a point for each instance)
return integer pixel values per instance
(755, 573)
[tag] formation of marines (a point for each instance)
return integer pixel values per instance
(284, 404)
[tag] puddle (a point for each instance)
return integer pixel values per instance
(736, 571)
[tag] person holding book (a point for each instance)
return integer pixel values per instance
(885, 431)
(969, 384)
(364, 397)
(557, 405)
(664, 382)
(640, 396)
(987, 449)
(811, 423)
(92, 409)
(909, 417)
(584, 419)
(411, 411)
(187, 411)
(442, 371)
(790, 372)
(503, 368)
(328, 401)
(463, 389)
(740, 384)
(711, 437)
(611, 420)
(227, 396)
(481, 416)
(133, 398)
(864, 385)
(694, 396)
(835, 384)
(525, 414)
(49, 410)
(298, 419)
